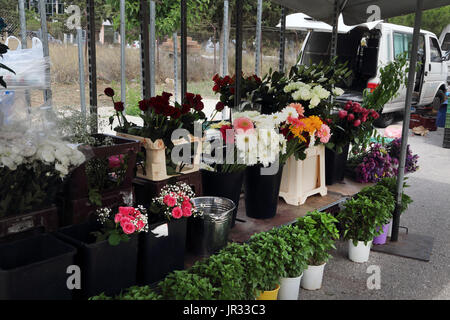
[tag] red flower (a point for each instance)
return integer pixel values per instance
(216, 88)
(166, 96)
(220, 106)
(176, 114)
(232, 90)
(357, 123)
(143, 105)
(189, 97)
(375, 114)
(227, 80)
(185, 108)
(109, 92)
(223, 130)
(216, 77)
(199, 106)
(351, 117)
(342, 114)
(118, 106)
(348, 105)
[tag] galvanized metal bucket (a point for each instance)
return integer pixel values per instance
(209, 233)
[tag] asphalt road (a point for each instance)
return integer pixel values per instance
(429, 214)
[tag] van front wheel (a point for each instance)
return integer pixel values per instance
(438, 100)
(384, 120)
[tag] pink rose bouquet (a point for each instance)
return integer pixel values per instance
(119, 226)
(174, 201)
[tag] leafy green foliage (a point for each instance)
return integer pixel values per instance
(184, 285)
(381, 194)
(299, 249)
(320, 229)
(29, 187)
(391, 184)
(267, 260)
(226, 272)
(139, 293)
(362, 218)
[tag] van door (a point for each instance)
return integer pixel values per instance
(434, 72)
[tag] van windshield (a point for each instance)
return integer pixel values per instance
(359, 48)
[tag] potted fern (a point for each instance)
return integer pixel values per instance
(322, 233)
(362, 219)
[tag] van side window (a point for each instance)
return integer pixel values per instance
(435, 52)
(446, 42)
(402, 43)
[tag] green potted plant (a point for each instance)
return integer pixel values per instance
(226, 271)
(185, 285)
(320, 227)
(362, 219)
(381, 194)
(267, 259)
(300, 251)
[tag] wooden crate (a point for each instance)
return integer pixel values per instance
(304, 178)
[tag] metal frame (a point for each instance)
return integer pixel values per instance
(183, 49)
(92, 61)
(238, 54)
(282, 40)
(145, 48)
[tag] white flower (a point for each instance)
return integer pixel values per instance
(247, 147)
(338, 91)
(289, 112)
(315, 100)
(62, 169)
(304, 93)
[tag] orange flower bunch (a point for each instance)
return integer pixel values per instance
(308, 125)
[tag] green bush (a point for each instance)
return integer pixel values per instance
(227, 272)
(391, 184)
(362, 218)
(320, 228)
(185, 285)
(139, 293)
(300, 249)
(381, 194)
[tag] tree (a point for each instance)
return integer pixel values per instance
(433, 20)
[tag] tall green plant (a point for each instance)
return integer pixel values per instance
(362, 219)
(391, 184)
(321, 230)
(184, 285)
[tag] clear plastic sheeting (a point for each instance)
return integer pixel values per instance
(30, 66)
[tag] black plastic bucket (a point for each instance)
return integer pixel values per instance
(35, 268)
(104, 268)
(226, 185)
(335, 164)
(161, 254)
(261, 192)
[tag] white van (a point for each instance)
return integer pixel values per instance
(370, 46)
(444, 40)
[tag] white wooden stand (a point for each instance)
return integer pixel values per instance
(304, 178)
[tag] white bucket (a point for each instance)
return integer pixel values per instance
(289, 288)
(359, 253)
(312, 277)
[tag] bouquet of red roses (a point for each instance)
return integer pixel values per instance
(119, 226)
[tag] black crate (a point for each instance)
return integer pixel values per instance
(161, 255)
(35, 268)
(104, 268)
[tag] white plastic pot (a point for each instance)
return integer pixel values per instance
(312, 277)
(289, 288)
(359, 253)
(389, 233)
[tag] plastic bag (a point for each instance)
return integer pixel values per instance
(30, 66)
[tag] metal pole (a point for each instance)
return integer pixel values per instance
(122, 52)
(81, 70)
(145, 52)
(225, 38)
(23, 24)
(183, 49)
(44, 39)
(175, 66)
(282, 40)
(152, 47)
(258, 38)
(238, 55)
(92, 63)
(407, 115)
(334, 35)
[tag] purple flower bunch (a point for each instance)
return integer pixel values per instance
(382, 161)
(411, 163)
(376, 165)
